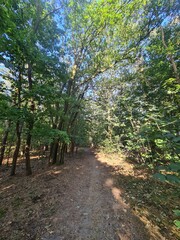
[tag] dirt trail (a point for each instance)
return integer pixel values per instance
(76, 201)
(90, 206)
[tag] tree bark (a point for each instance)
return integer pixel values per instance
(16, 151)
(27, 150)
(55, 151)
(50, 153)
(4, 141)
(62, 152)
(72, 147)
(30, 125)
(19, 125)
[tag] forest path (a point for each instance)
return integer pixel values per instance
(89, 206)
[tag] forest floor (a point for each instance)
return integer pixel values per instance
(92, 196)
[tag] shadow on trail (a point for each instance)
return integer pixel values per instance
(148, 201)
(131, 227)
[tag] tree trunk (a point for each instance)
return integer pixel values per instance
(66, 149)
(50, 153)
(16, 151)
(4, 141)
(19, 126)
(30, 124)
(27, 150)
(55, 151)
(62, 152)
(72, 147)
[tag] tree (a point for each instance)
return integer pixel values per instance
(146, 87)
(64, 51)
(26, 52)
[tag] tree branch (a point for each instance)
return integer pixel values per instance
(42, 19)
(170, 57)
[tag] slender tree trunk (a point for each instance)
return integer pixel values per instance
(72, 147)
(30, 125)
(19, 125)
(4, 141)
(66, 149)
(16, 151)
(62, 152)
(61, 123)
(50, 153)
(54, 152)
(27, 150)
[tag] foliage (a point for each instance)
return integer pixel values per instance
(101, 73)
(44, 134)
(156, 201)
(120, 56)
(143, 112)
(177, 222)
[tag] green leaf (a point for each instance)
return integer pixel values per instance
(160, 177)
(162, 168)
(177, 212)
(172, 178)
(175, 167)
(177, 223)
(176, 139)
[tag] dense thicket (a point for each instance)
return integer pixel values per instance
(104, 73)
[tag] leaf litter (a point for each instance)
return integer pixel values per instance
(92, 196)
